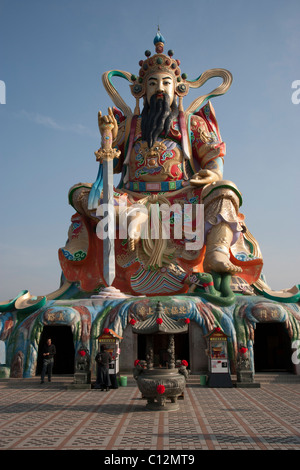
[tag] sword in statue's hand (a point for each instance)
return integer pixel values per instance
(105, 155)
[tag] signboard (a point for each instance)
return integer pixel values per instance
(219, 366)
(218, 352)
(107, 340)
(218, 359)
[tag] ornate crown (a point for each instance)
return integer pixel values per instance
(159, 62)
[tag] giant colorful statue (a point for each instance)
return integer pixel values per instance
(146, 245)
(166, 156)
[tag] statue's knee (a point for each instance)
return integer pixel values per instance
(221, 189)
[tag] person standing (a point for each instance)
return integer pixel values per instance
(48, 360)
(103, 360)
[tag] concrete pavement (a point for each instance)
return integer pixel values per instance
(53, 417)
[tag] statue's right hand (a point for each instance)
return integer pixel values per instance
(108, 123)
(204, 177)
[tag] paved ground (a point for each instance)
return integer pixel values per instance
(52, 417)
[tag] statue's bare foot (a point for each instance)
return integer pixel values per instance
(220, 263)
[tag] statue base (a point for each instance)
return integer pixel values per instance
(117, 313)
(110, 293)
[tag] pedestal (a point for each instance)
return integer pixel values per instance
(81, 380)
(244, 376)
(245, 379)
(82, 377)
(219, 380)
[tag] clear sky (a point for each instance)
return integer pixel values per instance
(52, 56)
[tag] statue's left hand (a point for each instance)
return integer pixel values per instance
(204, 177)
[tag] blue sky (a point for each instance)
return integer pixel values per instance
(52, 56)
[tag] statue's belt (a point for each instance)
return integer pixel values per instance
(143, 186)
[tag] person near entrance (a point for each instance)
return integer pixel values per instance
(48, 360)
(103, 359)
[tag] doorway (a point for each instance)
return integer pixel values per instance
(160, 345)
(272, 348)
(62, 337)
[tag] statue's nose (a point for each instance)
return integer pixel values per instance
(160, 87)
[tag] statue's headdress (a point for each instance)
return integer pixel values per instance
(162, 62)
(159, 62)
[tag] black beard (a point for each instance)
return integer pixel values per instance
(157, 117)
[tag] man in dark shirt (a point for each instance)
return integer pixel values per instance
(103, 359)
(48, 355)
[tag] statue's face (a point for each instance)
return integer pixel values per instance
(160, 83)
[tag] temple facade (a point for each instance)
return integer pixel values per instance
(269, 330)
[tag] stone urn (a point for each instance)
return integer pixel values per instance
(161, 388)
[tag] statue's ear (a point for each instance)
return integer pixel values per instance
(138, 90)
(182, 89)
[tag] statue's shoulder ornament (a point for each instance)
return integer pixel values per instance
(203, 124)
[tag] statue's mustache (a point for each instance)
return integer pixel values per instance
(161, 94)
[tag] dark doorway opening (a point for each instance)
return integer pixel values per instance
(272, 348)
(62, 338)
(160, 345)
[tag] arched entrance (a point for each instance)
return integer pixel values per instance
(62, 338)
(272, 348)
